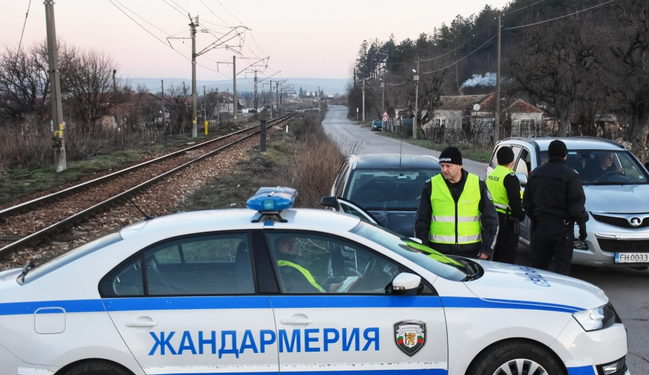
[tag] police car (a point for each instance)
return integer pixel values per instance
(272, 289)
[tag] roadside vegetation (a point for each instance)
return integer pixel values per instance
(300, 156)
(583, 63)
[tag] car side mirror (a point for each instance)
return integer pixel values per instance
(330, 201)
(406, 284)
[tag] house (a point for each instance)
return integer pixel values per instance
(470, 118)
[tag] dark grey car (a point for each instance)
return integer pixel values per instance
(388, 186)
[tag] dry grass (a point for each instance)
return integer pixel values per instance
(303, 158)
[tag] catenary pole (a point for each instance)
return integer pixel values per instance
(497, 114)
(58, 126)
(193, 26)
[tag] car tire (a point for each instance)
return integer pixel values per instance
(97, 368)
(516, 357)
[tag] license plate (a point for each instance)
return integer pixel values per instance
(631, 257)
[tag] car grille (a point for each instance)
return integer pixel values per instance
(617, 246)
(622, 222)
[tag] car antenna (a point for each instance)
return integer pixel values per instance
(146, 217)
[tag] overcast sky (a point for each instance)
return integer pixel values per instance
(303, 38)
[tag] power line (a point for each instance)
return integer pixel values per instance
(463, 58)
(137, 23)
(24, 24)
(525, 7)
(175, 7)
(519, 27)
(561, 17)
(463, 44)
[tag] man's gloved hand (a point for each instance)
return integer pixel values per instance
(582, 232)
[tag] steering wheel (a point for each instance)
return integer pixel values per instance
(609, 174)
(362, 280)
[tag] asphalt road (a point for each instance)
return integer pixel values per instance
(627, 288)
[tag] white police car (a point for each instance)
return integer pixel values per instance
(274, 289)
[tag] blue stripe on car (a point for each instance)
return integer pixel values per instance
(276, 301)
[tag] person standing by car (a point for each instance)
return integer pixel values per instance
(554, 200)
(506, 191)
(456, 214)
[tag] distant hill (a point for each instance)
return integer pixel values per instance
(329, 86)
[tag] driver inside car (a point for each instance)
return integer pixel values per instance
(294, 277)
(603, 165)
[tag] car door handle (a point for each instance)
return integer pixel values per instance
(297, 321)
(141, 323)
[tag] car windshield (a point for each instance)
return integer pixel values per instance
(381, 189)
(605, 167)
(431, 260)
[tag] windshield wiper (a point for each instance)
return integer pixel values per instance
(28, 266)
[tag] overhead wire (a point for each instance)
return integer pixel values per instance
(153, 35)
(22, 33)
(561, 17)
(520, 27)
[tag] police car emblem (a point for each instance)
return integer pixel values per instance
(410, 336)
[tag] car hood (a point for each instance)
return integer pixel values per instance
(625, 199)
(515, 284)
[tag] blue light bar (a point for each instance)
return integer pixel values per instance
(272, 199)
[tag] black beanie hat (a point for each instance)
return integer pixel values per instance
(505, 155)
(451, 155)
(557, 149)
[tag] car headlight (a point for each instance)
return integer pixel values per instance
(597, 318)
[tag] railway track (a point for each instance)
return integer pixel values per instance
(39, 220)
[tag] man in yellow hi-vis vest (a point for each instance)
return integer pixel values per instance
(293, 277)
(456, 214)
(506, 192)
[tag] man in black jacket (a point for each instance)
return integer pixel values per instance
(554, 200)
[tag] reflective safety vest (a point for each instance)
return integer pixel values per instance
(496, 185)
(451, 222)
(303, 271)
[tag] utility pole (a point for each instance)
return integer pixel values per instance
(277, 98)
(192, 31)
(363, 114)
(255, 100)
(497, 114)
(234, 85)
(271, 99)
(414, 120)
(383, 94)
(205, 109)
(218, 107)
(60, 160)
(164, 111)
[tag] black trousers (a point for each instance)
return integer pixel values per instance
(470, 250)
(552, 245)
(506, 248)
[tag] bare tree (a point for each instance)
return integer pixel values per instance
(628, 69)
(178, 97)
(87, 85)
(24, 82)
(556, 66)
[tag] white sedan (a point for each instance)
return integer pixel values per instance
(273, 289)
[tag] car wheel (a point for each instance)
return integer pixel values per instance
(97, 368)
(516, 357)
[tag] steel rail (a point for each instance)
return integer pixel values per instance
(45, 233)
(26, 206)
